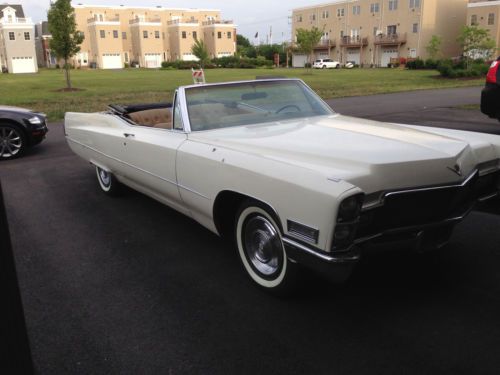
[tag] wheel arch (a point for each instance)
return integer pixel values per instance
(17, 124)
(226, 206)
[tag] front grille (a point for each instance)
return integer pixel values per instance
(420, 207)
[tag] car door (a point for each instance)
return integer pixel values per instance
(150, 155)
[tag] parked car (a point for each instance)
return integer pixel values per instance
(269, 164)
(490, 96)
(19, 129)
(326, 64)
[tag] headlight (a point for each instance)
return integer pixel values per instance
(35, 120)
(347, 222)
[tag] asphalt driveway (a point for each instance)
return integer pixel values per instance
(127, 285)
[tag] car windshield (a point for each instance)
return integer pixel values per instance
(228, 105)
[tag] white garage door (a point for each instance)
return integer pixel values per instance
(111, 61)
(23, 65)
(387, 55)
(353, 55)
(152, 60)
(299, 60)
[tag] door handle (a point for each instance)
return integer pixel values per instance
(129, 135)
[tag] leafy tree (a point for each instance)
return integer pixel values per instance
(242, 41)
(434, 46)
(307, 40)
(475, 42)
(199, 49)
(66, 39)
(244, 48)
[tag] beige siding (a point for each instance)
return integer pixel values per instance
(482, 11)
(168, 24)
(375, 33)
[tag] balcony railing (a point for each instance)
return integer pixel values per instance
(217, 22)
(15, 20)
(176, 22)
(325, 44)
(144, 20)
(390, 39)
(353, 41)
(97, 20)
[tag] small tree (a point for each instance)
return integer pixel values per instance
(199, 49)
(475, 42)
(434, 46)
(66, 39)
(307, 40)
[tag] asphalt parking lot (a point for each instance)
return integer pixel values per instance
(127, 285)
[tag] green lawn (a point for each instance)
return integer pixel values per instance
(103, 87)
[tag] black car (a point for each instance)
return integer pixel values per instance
(490, 96)
(19, 129)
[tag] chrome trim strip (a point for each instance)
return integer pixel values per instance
(431, 188)
(181, 96)
(487, 197)
(323, 257)
(139, 169)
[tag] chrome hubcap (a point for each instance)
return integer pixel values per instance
(262, 245)
(105, 177)
(10, 142)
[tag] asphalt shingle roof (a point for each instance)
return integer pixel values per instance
(17, 7)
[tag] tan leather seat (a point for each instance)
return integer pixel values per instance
(155, 118)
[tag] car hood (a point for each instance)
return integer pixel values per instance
(7, 108)
(372, 155)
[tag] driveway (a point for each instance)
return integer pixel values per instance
(426, 107)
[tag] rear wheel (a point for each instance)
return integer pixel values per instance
(108, 182)
(261, 249)
(12, 142)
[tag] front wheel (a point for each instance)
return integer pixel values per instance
(108, 182)
(261, 249)
(12, 142)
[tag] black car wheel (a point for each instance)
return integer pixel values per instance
(12, 141)
(261, 249)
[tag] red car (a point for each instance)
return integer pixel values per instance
(490, 96)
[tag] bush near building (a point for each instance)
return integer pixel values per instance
(231, 62)
(451, 68)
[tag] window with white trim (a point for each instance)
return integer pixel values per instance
(102, 34)
(12, 35)
(356, 10)
(393, 4)
(340, 12)
(491, 19)
(414, 4)
(27, 35)
(374, 8)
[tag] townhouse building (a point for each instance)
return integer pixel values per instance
(17, 41)
(146, 36)
(486, 14)
(372, 32)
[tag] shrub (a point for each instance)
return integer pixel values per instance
(431, 64)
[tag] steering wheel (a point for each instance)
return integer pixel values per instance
(288, 106)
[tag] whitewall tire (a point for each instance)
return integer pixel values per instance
(107, 182)
(261, 249)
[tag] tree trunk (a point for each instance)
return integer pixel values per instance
(68, 79)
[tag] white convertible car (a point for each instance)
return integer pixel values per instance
(268, 163)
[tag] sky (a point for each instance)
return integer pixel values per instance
(251, 16)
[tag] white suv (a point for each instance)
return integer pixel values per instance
(326, 64)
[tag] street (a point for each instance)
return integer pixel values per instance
(127, 285)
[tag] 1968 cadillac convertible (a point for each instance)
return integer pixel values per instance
(268, 163)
